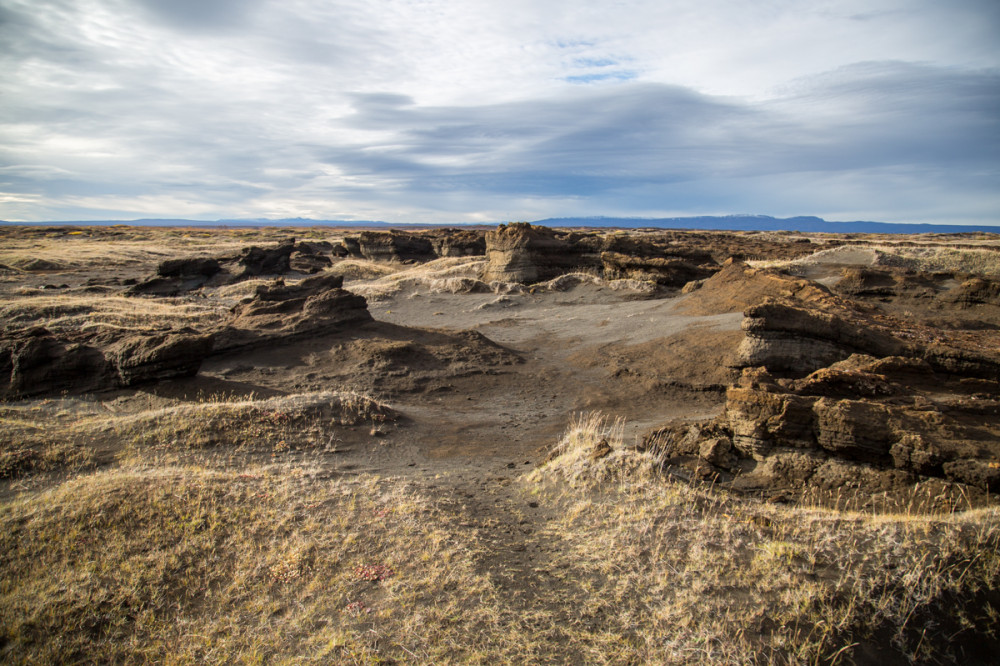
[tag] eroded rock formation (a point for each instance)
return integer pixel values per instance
(39, 362)
(520, 252)
(525, 253)
(827, 384)
(177, 276)
(390, 246)
(279, 313)
(180, 276)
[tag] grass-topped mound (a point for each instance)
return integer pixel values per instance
(84, 433)
(714, 578)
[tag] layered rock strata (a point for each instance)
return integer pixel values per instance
(520, 252)
(826, 383)
(39, 362)
(390, 246)
(526, 254)
(279, 313)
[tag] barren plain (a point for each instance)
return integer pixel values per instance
(505, 445)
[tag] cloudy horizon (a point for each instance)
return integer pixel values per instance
(481, 111)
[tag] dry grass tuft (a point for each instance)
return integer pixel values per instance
(362, 269)
(92, 248)
(932, 259)
(447, 274)
(941, 259)
(95, 313)
(592, 451)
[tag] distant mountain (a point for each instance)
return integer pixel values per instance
(707, 222)
(765, 223)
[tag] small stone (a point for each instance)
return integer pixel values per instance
(601, 450)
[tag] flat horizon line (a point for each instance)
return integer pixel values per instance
(731, 222)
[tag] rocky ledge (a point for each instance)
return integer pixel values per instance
(180, 276)
(831, 393)
(39, 362)
(280, 313)
(526, 254)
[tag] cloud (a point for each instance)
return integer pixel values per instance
(207, 15)
(412, 110)
(875, 115)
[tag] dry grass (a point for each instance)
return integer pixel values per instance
(712, 578)
(934, 259)
(95, 313)
(447, 274)
(94, 247)
(260, 564)
(166, 561)
(103, 247)
(363, 269)
(48, 437)
(941, 259)
(593, 451)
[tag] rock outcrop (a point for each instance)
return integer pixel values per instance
(889, 282)
(458, 242)
(38, 362)
(149, 358)
(786, 337)
(311, 257)
(35, 362)
(177, 276)
(862, 411)
(266, 261)
(520, 252)
(525, 253)
(975, 291)
(665, 271)
(280, 313)
(829, 385)
(390, 246)
(180, 276)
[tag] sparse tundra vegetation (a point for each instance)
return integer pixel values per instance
(505, 445)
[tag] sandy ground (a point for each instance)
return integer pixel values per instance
(562, 353)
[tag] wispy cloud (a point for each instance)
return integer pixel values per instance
(478, 110)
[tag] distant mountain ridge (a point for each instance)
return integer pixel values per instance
(706, 222)
(766, 223)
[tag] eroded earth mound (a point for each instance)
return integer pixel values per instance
(839, 394)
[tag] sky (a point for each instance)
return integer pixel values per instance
(487, 110)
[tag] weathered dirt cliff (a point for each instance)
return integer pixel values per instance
(279, 313)
(829, 386)
(38, 362)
